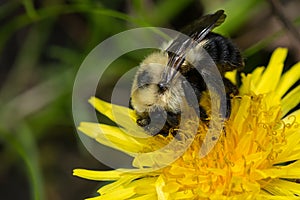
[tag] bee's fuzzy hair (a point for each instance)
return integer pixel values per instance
(145, 95)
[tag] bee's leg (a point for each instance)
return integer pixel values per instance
(173, 119)
(165, 130)
(130, 104)
(230, 89)
(154, 122)
(228, 106)
(203, 114)
(143, 119)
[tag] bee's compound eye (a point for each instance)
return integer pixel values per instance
(144, 79)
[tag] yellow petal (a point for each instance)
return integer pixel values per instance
(118, 184)
(288, 79)
(171, 187)
(291, 100)
(160, 183)
(119, 194)
(155, 159)
(98, 175)
(281, 187)
(183, 195)
(112, 136)
(121, 115)
(250, 81)
(290, 171)
(269, 196)
(145, 185)
(293, 187)
(107, 108)
(146, 197)
(271, 75)
(241, 115)
(290, 151)
(257, 74)
(141, 186)
(294, 115)
(231, 76)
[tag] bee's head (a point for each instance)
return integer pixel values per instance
(149, 92)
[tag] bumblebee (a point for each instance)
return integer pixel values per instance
(158, 91)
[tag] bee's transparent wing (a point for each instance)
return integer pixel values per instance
(193, 34)
(201, 27)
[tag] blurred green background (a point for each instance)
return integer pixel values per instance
(42, 45)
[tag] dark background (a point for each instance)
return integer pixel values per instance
(42, 45)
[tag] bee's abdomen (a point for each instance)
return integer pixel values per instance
(224, 53)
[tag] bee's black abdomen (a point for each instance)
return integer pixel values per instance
(225, 54)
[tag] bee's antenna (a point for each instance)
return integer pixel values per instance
(163, 86)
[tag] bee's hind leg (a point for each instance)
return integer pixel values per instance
(230, 87)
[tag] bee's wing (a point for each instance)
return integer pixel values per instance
(181, 45)
(201, 27)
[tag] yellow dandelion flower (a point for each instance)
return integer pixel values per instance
(257, 158)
